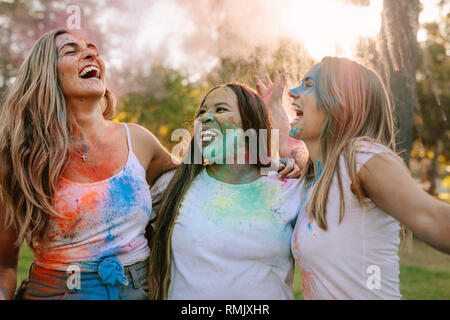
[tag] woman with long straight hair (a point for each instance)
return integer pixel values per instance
(73, 184)
(357, 196)
(223, 230)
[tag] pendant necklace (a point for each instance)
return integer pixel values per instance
(84, 155)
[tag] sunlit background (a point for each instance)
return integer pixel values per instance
(163, 55)
(163, 28)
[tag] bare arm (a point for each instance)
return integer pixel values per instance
(9, 257)
(272, 94)
(161, 161)
(390, 186)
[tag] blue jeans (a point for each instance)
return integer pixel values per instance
(46, 284)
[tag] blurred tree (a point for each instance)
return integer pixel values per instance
(23, 22)
(433, 97)
(397, 46)
(162, 100)
(288, 56)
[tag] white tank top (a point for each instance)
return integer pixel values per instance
(100, 219)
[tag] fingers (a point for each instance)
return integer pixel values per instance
(266, 80)
(279, 82)
(296, 173)
(260, 87)
(287, 168)
(276, 76)
(284, 77)
(265, 86)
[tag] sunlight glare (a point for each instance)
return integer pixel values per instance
(330, 27)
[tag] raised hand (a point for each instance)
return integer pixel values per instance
(272, 95)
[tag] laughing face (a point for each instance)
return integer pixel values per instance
(80, 69)
(309, 119)
(220, 117)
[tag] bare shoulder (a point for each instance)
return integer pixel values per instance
(143, 142)
(141, 134)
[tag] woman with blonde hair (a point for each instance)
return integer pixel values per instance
(73, 184)
(355, 191)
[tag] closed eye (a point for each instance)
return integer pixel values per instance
(220, 109)
(308, 82)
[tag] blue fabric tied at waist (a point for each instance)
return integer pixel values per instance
(111, 272)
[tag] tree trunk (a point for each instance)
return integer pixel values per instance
(397, 46)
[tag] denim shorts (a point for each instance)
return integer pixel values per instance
(46, 284)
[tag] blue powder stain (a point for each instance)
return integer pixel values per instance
(319, 166)
(62, 74)
(296, 91)
(121, 195)
(302, 89)
(121, 192)
(294, 131)
(309, 226)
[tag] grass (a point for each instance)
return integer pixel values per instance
(424, 273)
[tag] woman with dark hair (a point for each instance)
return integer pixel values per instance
(73, 184)
(223, 230)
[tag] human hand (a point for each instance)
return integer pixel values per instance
(288, 169)
(272, 95)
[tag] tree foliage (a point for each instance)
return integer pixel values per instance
(432, 128)
(397, 46)
(162, 101)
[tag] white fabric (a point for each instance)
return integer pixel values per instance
(98, 220)
(233, 241)
(157, 191)
(342, 262)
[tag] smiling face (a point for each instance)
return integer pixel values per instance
(309, 117)
(81, 72)
(219, 113)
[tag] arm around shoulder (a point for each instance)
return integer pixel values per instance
(156, 159)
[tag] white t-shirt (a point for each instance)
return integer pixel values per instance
(233, 241)
(347, 261)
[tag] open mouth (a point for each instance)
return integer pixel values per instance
(298, 112)
(90, 72)
(208, 135)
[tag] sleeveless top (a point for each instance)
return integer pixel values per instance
(98, 220)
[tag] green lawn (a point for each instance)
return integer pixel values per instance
(424, 273)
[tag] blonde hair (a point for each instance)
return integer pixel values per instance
(35, 139)
(358, 110)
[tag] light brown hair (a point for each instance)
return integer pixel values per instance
(358, 110)
(35, 139)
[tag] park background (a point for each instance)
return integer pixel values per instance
(163, 55)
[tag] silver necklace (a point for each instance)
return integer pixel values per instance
(84, 155)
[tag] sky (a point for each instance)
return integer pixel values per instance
(183, 33)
